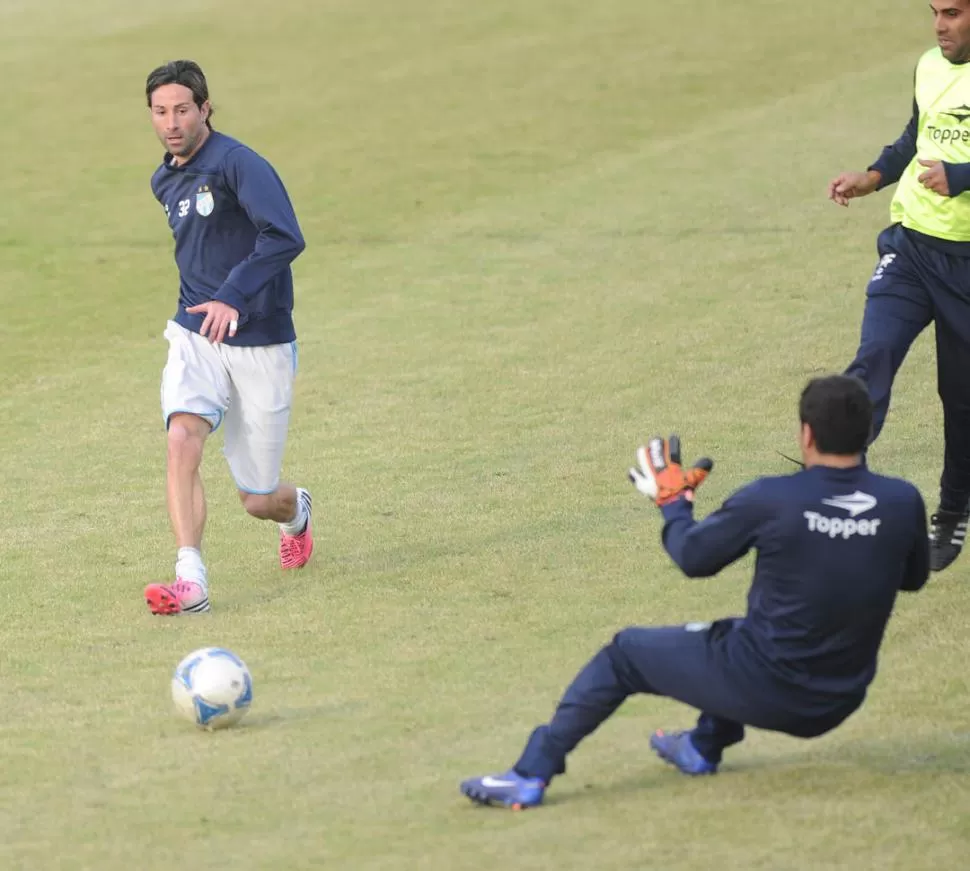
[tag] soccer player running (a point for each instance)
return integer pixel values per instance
(923, 274)
(835, 543)
(231, 344)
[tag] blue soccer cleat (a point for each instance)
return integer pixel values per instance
(677, 749)
(509, 790)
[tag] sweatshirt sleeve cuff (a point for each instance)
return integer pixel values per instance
(231, 296)
(681, 507)
(957, 177)
(886, 175)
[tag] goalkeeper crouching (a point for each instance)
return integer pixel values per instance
(835, 543)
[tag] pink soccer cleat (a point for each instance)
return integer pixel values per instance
(295, 550)
(182, 597)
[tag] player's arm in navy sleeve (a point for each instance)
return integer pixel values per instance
(918, 562)
(264, 199)
(957, 178)
(702, 549)
(896, 157)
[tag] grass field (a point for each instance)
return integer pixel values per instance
(537, 233)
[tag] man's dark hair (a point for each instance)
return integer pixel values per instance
(839, 411)
(180, 72)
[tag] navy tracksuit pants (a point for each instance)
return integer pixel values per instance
(692, 664)
(913, 285)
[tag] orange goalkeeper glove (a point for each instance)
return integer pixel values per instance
(660, 475)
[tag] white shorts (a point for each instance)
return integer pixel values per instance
(250, 388)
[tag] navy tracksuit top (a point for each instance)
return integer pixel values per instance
(834, 547)
(236, 235)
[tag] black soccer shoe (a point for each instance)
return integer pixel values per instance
(948, 531)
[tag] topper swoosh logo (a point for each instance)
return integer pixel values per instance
(855, 503)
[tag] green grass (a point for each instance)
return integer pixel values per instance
(538, 232)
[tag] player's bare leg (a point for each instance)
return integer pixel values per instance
(292, 508)
(187, 512)
(186, 498)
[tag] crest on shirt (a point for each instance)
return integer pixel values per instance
(204, 202)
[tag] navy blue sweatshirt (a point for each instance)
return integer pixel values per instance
(235, 237)
(834, 547)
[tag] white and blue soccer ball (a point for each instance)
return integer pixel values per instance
(212, 687)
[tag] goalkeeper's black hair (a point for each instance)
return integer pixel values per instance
(180, 72)
(839, 412)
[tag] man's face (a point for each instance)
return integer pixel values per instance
(179, 123)
(952, 23)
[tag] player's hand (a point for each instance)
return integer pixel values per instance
(220, 320)
(660, 476)
(849, 185)
(934, 178)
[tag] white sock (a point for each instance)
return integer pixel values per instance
(297, 525)
(189, 565)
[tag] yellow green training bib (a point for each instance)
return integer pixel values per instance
(943, 101)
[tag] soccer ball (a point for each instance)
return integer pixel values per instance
(212, 688)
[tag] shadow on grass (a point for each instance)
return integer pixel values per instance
(940, 753)
(281, 717)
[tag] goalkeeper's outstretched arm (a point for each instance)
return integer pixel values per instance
(702, 549)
